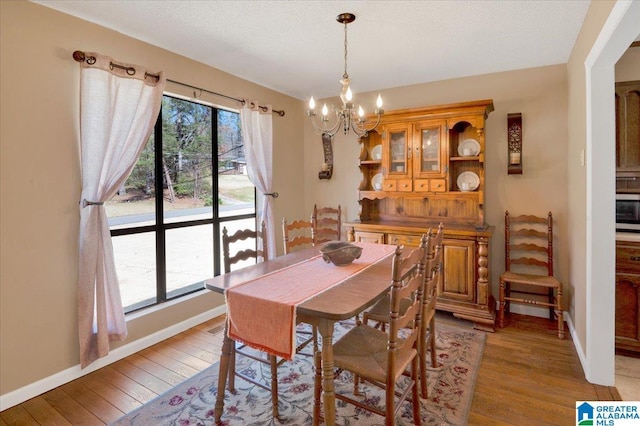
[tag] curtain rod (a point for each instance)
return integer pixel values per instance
(80, 56)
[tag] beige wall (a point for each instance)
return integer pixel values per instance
(40, 179)
(577, 178)
(540, 94)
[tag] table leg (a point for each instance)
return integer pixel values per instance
(223, 373)
(325, 327)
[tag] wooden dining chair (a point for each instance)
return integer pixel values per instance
(379, 313)
(528, 276)
(297, 234)
(434, 269)
(327, 223)
(381, 358)
(246, 243)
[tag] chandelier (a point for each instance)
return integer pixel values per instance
(346, 117)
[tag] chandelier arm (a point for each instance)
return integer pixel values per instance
(323, 129)
(361, 130)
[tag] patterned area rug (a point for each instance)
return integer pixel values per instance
(451, 384)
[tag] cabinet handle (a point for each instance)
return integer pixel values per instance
(635, 258)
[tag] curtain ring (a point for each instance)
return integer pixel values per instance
(272, 194)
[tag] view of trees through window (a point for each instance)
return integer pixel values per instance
(166, 220)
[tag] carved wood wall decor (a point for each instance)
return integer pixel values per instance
(514, 143)
(327, 166)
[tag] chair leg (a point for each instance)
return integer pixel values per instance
(502, 303)
(560, 315)
(429, 340)
(274, 384)
(415, 400)
(551, 301)
(422, 361)
(390, 402)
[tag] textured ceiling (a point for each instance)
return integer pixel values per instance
(296, 47)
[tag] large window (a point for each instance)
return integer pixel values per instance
(166, 221)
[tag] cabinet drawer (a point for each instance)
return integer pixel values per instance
(627, 259)
(369, 237)
(390, 185)
(405, 240)
(438, 185)
(405, 185)
(421, 185)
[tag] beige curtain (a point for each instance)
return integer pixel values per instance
(118, 109)
(257, 137)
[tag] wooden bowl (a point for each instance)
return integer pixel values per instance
(340, 253)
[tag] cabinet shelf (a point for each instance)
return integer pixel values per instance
(476, 158)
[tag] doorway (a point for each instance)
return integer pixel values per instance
(617, 34)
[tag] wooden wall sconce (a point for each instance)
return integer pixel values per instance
(514, 143)
(327, 166)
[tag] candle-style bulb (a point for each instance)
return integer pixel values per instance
(312, 104)
(325, 110)
(349, 94)
(360, 112)
(378, 101)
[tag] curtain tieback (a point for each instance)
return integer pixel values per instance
(86, 203)
(272, 194)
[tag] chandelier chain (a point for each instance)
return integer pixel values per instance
(346, 75)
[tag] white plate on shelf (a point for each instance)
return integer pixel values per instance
(469, 181)
(471, 144)
(376, 182)
(376, 152)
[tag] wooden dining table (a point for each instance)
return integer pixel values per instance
(342, 301)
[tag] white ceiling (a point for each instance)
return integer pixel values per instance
(296, 47)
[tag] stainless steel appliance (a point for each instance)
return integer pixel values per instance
(628, 212)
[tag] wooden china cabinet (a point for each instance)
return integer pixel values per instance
(421, 167)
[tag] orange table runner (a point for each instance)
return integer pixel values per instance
(262, 312)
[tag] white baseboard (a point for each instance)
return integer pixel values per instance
(576, 342)
(18, 396)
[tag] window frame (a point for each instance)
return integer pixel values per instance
(159, 228)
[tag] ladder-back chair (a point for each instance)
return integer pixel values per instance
(297, 234)
(245, 243)
(327, 223)
(430, 297)
(529, 249)
(379, 313)
(361, 349)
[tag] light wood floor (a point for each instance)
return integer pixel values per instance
(527, 377)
